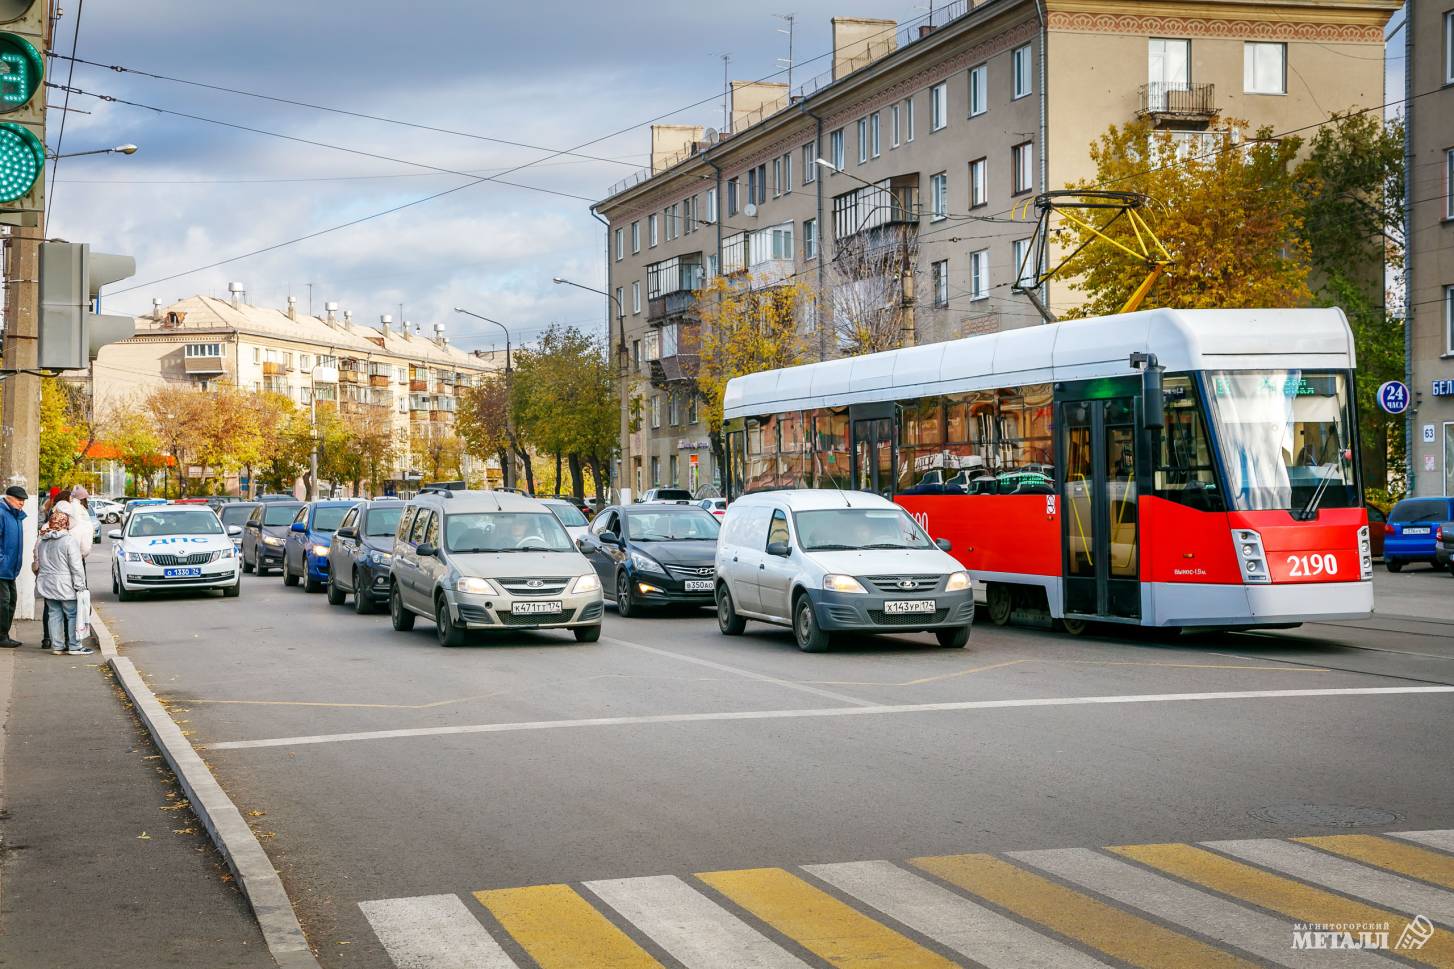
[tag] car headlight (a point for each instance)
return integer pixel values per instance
(379, 558)
(590, 582)
(272, 540)
(645, 564)
(135, 557)
(958, 582)
(225, 553)
(320, 550)
(843, 583)
(476, 586)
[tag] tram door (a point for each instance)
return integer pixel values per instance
(873, 449)
(1100, 530)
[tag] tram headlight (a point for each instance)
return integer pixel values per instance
(1365, 554)
(1254, 559)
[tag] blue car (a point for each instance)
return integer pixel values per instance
(1409, 534)
(305, 552)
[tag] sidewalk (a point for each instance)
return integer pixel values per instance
(79, 884)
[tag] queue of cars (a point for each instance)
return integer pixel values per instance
(1418, 530)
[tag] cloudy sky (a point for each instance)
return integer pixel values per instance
(554, 74)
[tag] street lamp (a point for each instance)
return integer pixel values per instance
(509, 469)
(625, 492)
(461, 309)
(118, 150)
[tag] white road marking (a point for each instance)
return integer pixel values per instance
(1202, 912)
(1442, 840)
(816, 713)
(1348, 877)
(434, 932)
(985, 936)
(699, 933)
(739, 671)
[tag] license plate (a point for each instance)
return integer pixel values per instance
(181, 573)
(698, 585)
(535, 608)
(900, 606)
(1416, 531)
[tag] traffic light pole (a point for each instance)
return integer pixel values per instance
(20, 435)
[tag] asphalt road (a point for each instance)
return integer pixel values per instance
(396, 778)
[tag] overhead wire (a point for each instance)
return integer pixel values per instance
(65, 112)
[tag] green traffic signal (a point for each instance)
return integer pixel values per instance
(22, 158)
(21, 70)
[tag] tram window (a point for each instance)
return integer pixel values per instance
(793, 470)
(1023, 455)
(761, 454)
(830, 462)
(1185, 472)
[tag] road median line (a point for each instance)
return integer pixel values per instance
(250, 865)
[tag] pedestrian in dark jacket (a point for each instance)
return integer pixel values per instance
(12, 551)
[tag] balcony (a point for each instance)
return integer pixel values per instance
(350, 377)
(273, 369)
(378, 380)
(1177, 102)
(671, 285)
(418, 386)
(202, 366)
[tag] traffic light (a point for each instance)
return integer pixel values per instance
(71, 277)
(22, 111)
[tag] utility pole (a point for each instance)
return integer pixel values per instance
(789, 19)
(726, 93)
(313, 422)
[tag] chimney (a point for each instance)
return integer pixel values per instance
(237, 293)
(348, 319)
(156, 308)
(292, 307)
(332, 310)
(859, 41)
(386, 323)
(754, 100)
(439, 338)
(670, 143)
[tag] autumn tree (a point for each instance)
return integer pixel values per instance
(1230, 215)
(483, 419)
(286, 441)
(869, 283)
(562, 401)
(174, 413)
(226, 434)
(129, 429)
(59, 440)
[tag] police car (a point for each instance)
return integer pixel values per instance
(174, 547)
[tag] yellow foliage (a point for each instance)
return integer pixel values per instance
(747, 327)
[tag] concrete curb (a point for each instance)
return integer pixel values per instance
(255, 874)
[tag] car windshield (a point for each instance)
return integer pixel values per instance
(1285, 438)
(280, 514)
(569, 515)
(235, 514)
(505, 531)
(671, 525)
(383, 521)
(201, 521)
(673, 494)
(1420, 510)
(327, 517)
(844, 529)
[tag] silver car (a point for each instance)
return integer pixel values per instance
(489, 560)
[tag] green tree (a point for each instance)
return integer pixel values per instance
(59, 441)
(562, 402)
(129, 429)
(483, 419)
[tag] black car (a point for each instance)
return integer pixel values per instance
(361, 553)
(236, 513)
(265, 533)
(654, 555)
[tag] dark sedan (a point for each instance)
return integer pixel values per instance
(361, 553)
(654, 555)
(265, 533)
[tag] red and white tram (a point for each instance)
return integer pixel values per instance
(1164, 468)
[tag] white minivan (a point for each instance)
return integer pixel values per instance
(825, 561)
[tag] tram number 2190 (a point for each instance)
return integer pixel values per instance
(1306, 566)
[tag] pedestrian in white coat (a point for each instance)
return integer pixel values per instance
(60, 577)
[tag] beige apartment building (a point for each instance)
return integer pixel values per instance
(391, 370)
(1429, 49)
(940, 133)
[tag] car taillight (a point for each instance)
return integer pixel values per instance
(1439, 533)
(1387, 528)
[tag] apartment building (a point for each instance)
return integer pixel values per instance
(933, 135)
(1429, 113)
(388, 370)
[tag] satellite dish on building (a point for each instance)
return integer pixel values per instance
(749, 210)
(711, 136)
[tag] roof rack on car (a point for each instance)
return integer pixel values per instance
(440, 490)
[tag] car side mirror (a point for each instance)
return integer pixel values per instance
(299, 527)
(609, 538)
(780, 549)
(944, 544)
(426, 550)
(233, 530)
(347, 533)
(114, 534)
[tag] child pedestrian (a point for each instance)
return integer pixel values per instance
(60, 577)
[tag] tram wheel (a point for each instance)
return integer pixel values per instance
(1001, 603)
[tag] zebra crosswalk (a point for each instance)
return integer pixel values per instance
(1379, 900)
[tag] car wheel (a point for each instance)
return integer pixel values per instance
(728, 620)
(336, 596)
(953, 638)
(1076, 627)
(288, 577)
(587, 634)
(449, 633)
(1001, 602)
(122, 594)
(362, 603)
(1393, 565)
(811, 638)
(246, 565)
(625, 601)
(234, 590)
(310, 584)
(401, 617)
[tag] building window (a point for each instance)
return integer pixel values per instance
(689, 213)
(894, 126)
(731, 196)
(777, 177)
(940, 271)
(1021, 62)
(862, 140)
(652, 349)
(1264, 68)
(978, 90)
(672, 416)
(978, 182)
(762, 183)
(835, 148)
(810, 162)
(655, 471)
(909, 120)
(636, 296)
(691, 408)
(711, 206)
(1168, 68)
(939, 196)
(751, 185)
(938, 106)
(1024, 271)
(620, 244)
(655, 422)
(810, 238)
(206, 350)
(979, 274)
(787, 172)
(1449, 319)
(873, 135)
(635, 237)
(652, 227)
(636, 355)
(1449, 47)
(1022, 164)
(673, 227)
(671, 463)
(1449, 184)
(620, 299)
